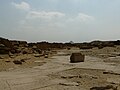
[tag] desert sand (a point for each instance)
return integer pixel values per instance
(99, 71)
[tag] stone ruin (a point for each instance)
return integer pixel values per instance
(5, 46)
(77, 57)
(22, 47)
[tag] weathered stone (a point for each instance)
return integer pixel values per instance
(69, 84)
(86, 47)
(71, 76)
(6, 42)
(25, 59)
(19, 43)
(34, 47)
(108, 87)
(4, 56)
(38, 55)
(46, 56)
(110, 72)
(17, 62)
(7, 61)
(68, 48)
(77, 57)
(1, 57)
(53, 52)
(2, 45)
(4, 49)
(100, 47)
(24, 52)
(22, 60)
(10, 54)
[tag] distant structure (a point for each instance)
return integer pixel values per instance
(71, 42)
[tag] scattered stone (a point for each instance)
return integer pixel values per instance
(108, 87)
(7, 61)
(5, 46)
(5, 43)
(86, 47)
(34, 47)
(2, 45)
(110, 72)
(116, 53)
(17, 62)
(68, 48)
(24, 52)
(112, 55)
(53, 52)
(1, 57)
(90, 76)
(12, 56)
(22, 60)
(4, 50)
(17, 51)
(4, 56)
(77, 57)
(69, 84)
(38, 55)
(100, 47)
(71, 76)
(46, 56)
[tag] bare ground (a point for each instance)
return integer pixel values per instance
(100, 71)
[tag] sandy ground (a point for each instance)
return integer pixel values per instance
(98, 72)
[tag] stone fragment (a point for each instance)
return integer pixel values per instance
(17, 62)
(77, 57)
(69, 84)
(108, 87)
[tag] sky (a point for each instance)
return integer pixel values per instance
(60, 20)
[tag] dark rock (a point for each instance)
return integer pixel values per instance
(4, 49)
(68, 48)
(38, 55)
(100, 47)
(71, 76)
(24, 52)
(13, 51)
(77, 57)
(69, 84)
(22, 60)
(110, 72)
(108, 87)
(17, 62)
(1, 57)
(86, 47)
(5, 46)
(25, 59)
(19, 43)
(6, 43)
(46, 56)
(34, 47)
(7, 61)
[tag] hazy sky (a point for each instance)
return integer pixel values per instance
(60, 20)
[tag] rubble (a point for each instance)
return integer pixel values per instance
(17, 62)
